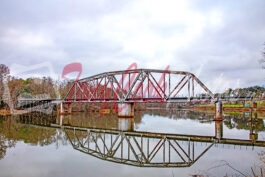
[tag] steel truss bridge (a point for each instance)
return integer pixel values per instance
(129, 86)
(139, 85)
(146, 149)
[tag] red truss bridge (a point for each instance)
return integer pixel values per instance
(140, 85)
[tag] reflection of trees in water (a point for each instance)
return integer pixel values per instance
(6, 140)
(4, 144)
(35, 135)
(95, 120)
(37, 118)
(90, 120)
(13, 129)
(232, 121)
(179, 114)
(244, 123)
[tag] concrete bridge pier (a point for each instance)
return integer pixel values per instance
(126, 110)
(218, 111)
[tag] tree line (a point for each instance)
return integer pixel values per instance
(44, 87)
(254, 91)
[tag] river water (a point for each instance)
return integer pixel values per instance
(153, 143)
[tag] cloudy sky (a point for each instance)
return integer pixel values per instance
(220, 41)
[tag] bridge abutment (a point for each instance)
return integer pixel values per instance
(125, 109)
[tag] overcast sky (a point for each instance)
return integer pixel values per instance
(220, 41)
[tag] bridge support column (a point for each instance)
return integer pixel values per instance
(61, 110)
(125, 109)
(218, 111)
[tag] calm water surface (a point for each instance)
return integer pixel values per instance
(36, 145)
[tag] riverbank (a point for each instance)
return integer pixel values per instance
(225, 108)
(258, 106)
(5, 112)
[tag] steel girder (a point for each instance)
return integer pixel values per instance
(137, 86)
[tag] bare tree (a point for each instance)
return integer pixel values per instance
(4, 71)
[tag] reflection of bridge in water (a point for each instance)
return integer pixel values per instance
(118, 144)
(137, 148)
(147, 149)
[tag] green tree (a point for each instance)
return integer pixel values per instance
(228, 92)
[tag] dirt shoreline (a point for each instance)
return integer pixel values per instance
(5, 112)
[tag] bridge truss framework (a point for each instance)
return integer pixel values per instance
(137, 86)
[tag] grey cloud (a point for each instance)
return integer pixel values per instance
(32, 12)
(92, 32)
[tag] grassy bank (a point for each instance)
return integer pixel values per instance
(260, 104)
(246, 106)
